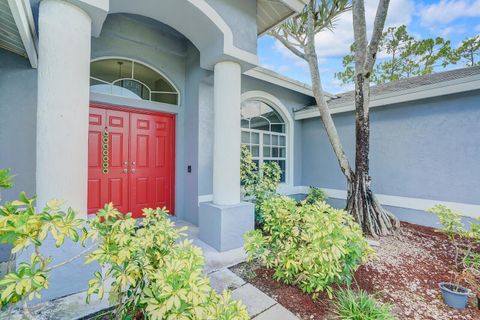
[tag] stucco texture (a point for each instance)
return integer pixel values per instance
(18, 114)
(424, 149)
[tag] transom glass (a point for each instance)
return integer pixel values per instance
(128, 78)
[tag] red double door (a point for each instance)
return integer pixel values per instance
(131, 160)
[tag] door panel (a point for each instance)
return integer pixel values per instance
(152, 162)
(96, 179)
(141, 162)
(118, 131)
(112, 186)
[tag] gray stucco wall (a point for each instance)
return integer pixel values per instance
(424, 149)
(18, 114)
(194, 75)
(241, 17)
(291, 100)
(205, 138)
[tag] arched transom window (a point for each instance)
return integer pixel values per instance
(128, 78)
(264, 132)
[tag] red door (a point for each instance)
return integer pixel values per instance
(141, 157)
(151, 147)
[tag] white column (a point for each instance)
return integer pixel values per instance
(63, 99)
(226, 148)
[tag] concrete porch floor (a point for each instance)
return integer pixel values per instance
(259, 305)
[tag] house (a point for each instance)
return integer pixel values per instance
(145, 103)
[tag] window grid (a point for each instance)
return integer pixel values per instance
(151, 92)
(258, 152)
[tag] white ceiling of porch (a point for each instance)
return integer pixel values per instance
(270, 13)
(9, 36)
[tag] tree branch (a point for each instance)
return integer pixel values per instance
(322, 106)
(378, 26)
(72, 258)
(359, 35)
(290, 46)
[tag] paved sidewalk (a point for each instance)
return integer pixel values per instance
(259, 305)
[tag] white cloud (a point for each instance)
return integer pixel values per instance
(477, 28)
(337, 86)
(455, 29)
(337, 43)
(447, 11)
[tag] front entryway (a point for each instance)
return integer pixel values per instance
(131, 159)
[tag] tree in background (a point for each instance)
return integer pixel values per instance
(298, 35)
(403, 56)
(468, 52)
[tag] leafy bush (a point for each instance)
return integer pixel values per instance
(23, 228)
(315, 195)
(313, 246)
(352, 305)
(258, 184)
(5, 179)
(465, 242)
(154, 275)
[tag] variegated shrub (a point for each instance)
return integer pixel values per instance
(311, 245)
(154, 275)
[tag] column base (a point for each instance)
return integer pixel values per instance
(223, 226)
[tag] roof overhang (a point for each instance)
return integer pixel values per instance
(422, 92)
(271, 13)
(282, 81)
(17, 29)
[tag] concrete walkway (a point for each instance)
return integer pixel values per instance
(259, 305)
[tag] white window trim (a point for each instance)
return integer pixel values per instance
(278, 106)
(145, 64)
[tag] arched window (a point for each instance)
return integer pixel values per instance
(264, 132)
(128, 78)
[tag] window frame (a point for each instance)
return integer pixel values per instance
(135, 61)
(288, 122)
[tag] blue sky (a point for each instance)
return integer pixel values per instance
(451, 19)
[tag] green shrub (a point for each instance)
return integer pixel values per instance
(25, 229)
(154, 274)
(313, 246)
(352, 305)
(465, 243)
(315, 195)
(258, 184)
(5, 179)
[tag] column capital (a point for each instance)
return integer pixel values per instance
(97, 10)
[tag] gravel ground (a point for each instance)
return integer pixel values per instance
(405, 273)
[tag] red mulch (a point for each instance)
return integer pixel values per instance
(406, 273)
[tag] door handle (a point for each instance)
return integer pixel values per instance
(133, 163)
(125, 170)
(133, 170)
(125, 163)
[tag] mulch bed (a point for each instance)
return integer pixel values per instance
(406, 272)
